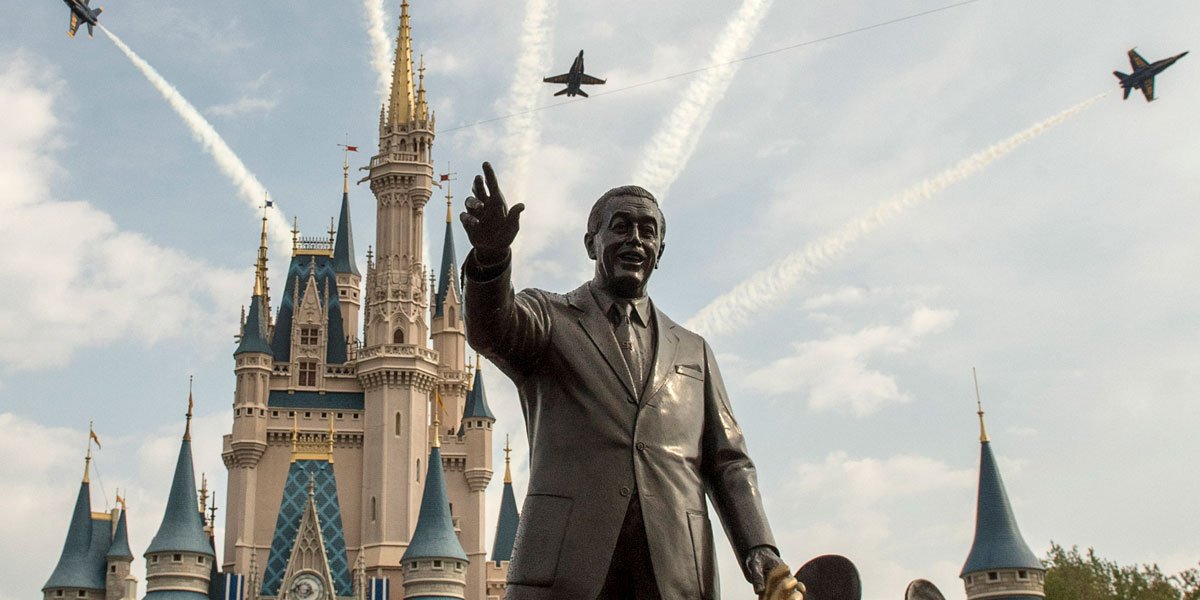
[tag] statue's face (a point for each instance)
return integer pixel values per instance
(627, 245)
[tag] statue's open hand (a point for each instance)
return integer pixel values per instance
(491, 225)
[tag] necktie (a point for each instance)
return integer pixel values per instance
(630, 344)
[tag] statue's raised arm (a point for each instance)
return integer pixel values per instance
(490, 224)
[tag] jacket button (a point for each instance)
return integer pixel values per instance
(641, 446)
(624, 491)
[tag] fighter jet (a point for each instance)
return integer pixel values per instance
(574, 78)
(1143, 74)
(80, 13)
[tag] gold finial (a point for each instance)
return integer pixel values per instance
(507, 461)
(312, 485)
(983, 436)
(331, 437)
(437, 422)
(203, 492)
(187, 429)
(260, 266)
(295, 431)
(212, 509)
(121, 499)
(295, 234)
(87, 464)
(331, 232)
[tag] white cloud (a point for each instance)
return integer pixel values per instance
(83, 281)
(833, 373)
(253, 99)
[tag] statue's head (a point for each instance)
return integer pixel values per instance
(624, 236)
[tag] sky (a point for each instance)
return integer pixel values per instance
(869, 218)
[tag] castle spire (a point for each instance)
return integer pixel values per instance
(260, 266)
(187, 428)
(506, 526)
(983, 436)
(401, 109)
(422, 107)
(448, 273)
(434, 535)
(343, 245)
(182, 528)
(74, 569)
(507, 461)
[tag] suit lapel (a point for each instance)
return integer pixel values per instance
(598, 328)
(664, 355)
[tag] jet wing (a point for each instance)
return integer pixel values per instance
(1148, 89)
(556, 79)
(74, 24)
(1136, 60)
(589, 80)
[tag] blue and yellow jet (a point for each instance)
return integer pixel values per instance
(80, 14)
(574, 78)
(1143, 74)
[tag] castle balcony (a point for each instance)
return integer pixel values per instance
(392, 157)
(399, 350)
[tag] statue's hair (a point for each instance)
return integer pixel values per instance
(593, 223)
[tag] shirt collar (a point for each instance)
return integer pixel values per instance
(641, 306)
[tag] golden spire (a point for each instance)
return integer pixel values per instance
(295, 434)
(449, 200)
(295, 234)
(331, 437)
(401, 102)
(983, 436)
(345, 173)
(203, 492)
(507, 461)
(260, 267)
(87, 464)
(422, 107)
(437, 423)
(332, 231)
(187, 429)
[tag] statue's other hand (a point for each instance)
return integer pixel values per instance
(490, 224)
(771, 577)
(781, 585)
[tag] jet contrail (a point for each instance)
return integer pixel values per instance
(521, 134)
(738, 305)
(247, 184)
(381, 47)
(668, 151)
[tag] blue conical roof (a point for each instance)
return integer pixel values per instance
(76, 567)
(182, 528)
(506, 527)
(998, 542)
(119, 548)
(434, 536)
(343, 245)
(477, 405)
(254, 333)
(448, 274)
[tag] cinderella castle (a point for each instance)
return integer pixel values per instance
(358, 470)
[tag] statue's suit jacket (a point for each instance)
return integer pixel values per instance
(594, 440)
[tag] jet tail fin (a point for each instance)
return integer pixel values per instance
(582, 93)
(1124, 82)
(562, 91)
(91, 30)
(97, 11)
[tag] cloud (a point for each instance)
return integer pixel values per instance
(252, 100)
(833, 373)
(83, 281)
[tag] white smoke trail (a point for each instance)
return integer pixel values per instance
(247, 184)
(381, 47)
(765, 287)
(522, 132)
(668, 151)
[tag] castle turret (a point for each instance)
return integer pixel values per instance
(446, 323)
(81, 566)
(179, 558)
(119, 559)
(344, 265)
(434, 564)
(244, 447)
(506, 532)
(1000, 565)
(476, 431)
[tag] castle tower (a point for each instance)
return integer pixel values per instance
(1000, 565)
(397, 370)
(447, 325)
(435, 563)
(348, 278)
(81, 568)
(179, 558)
(119, 559)
(506, 532)
(475, 430)
(253, 364)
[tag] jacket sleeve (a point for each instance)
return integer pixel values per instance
(730, 476)
(511, 330)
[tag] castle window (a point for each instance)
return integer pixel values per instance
(58, 593)
(397, 423)
(1022, 575)
(81, 594)
(154, 559)
(993, 576)
(458, 566)
(199, 560)
(372, 508)
(112, 568)
(418, 469)
(177, 558)
(308, 373)
(307, 415)
(324, 415)
(308, 336)
(398, 336)
(450, 312)
(437, 564)
(275, 413)
(356, 416)
(341, 416)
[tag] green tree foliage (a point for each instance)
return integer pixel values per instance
(1071, 575)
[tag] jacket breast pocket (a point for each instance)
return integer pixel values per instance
(702, 549)
(539, 539)
(693, 371)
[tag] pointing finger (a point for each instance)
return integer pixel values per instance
(490, 174)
